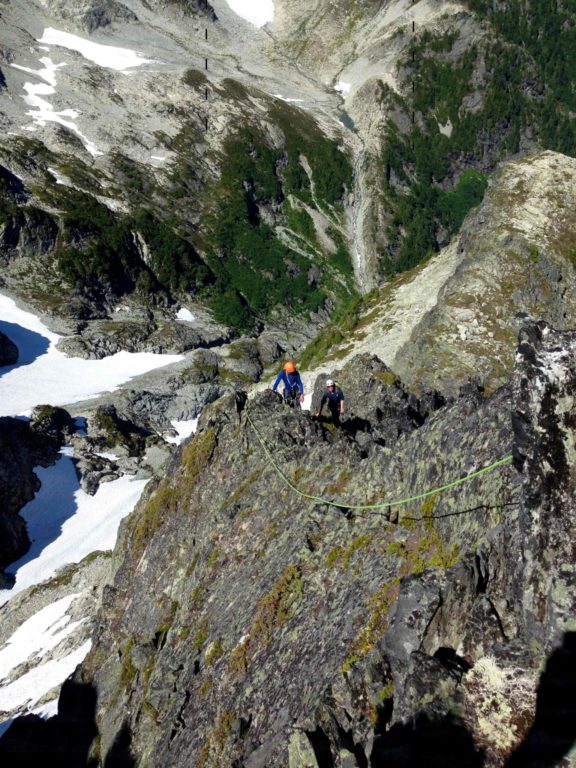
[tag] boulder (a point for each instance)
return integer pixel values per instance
(8, 351)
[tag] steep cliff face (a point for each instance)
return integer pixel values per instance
(249, 624)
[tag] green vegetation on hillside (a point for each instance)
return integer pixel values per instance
(546, 29)
(236, 229)
(255, 269)
(461, 128)
(99, 250)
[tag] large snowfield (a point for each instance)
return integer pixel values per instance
(45, 375)
(64, 523)
(257, 12)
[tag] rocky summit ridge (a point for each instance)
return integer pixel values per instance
(251, 623)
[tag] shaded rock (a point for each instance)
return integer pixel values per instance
(51, 425)
(24, 446)
(12, 187)
(8, 351)
(377, 402)
(26, 231)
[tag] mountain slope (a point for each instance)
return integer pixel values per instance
(457, 316)
(432, 98)
(247, 625)
(135, 207)
(171, 195)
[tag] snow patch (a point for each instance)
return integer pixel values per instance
(42, 111)
(60, 179)
(43, 374)
(343, 87)
(107, 455)
(65, 524)
(446, 130)
(28, 689)
(107, 56)
(184, 429)
(257, 12)
(40, 633)
(185, 314)
(290, 101)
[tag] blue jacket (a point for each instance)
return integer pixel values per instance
(291, 381)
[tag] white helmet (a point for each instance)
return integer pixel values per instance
(329, 383)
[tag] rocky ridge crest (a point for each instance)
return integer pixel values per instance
(250, 626)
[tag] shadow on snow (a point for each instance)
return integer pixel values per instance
(31, 345)
(45, 515)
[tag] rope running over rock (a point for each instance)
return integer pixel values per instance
(382, 505)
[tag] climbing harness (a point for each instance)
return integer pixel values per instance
(382, 505)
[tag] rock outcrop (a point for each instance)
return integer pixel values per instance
(24, 446)
(266, 631)
(269, 608)
(8, 351)
(458, 316)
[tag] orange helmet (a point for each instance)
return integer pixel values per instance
(289, 367)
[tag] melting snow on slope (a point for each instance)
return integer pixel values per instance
(107, 56)
(45, 375)
(40, 633)
(28, 689)
(257, 12)
(42, 111)
(65, 524)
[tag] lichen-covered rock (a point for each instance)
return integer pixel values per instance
(251, 623)
(258, 610)
(515, 263)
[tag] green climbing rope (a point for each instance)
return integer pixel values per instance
(382, 505)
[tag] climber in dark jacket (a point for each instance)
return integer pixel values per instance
(293, 386)
(334, 397)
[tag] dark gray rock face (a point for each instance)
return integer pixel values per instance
(102, 13)
(12, 187)
(251, 624)
(501, 621)
(259, 612)
(8, 351)
(26, 231)
(24, 446)
(379, 408)
(93, 14)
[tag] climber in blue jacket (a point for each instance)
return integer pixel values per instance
(293, 386)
